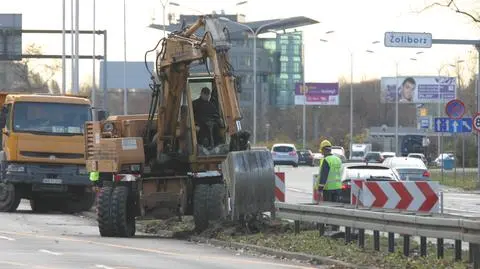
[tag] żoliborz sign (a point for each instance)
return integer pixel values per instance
(408, 40)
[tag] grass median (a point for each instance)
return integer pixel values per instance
(466, 181)
(280, 236)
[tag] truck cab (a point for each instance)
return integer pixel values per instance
(43, 153)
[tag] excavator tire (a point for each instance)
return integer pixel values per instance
(9, 197)
(122, 213)
(208, 205)
(104, 214)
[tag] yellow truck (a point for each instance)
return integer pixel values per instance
(43, 148)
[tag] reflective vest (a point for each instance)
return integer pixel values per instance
(333, 180)
(94, 176)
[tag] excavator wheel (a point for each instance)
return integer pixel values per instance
(104, 214)
(9, 197)
(122, 212)
(208, 205)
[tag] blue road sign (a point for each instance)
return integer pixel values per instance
(467, 125)
(441, 125)
(446, 125)
(455, 109)
(424, 122)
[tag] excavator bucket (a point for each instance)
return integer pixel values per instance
(250, 181)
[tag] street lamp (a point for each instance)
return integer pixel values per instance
(164, 5)
(254, 33)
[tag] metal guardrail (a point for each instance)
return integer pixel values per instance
(424, 225)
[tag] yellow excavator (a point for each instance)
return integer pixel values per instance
(156, 165)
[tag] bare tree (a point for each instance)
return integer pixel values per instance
(474, 16)
(30, 75)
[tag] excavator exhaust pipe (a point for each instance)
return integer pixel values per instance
(250, 181)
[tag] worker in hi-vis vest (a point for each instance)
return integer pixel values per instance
(94, 177)
(329, 177)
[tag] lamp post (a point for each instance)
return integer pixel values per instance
(164, 5)
(254, 33)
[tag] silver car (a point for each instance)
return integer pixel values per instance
(409, 168)
(285, 154)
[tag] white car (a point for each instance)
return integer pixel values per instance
(444, 156)
(409, 168)
(285, 154)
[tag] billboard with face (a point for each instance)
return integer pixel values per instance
(418, 89)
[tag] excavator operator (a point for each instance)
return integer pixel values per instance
(207, 119)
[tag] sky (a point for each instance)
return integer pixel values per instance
(356, 24)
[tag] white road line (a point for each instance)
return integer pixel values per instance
(50, 252)
(6, 238)
(461, 210)
(103, 266)
(297, 190)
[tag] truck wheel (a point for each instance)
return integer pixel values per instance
(122, 212)
(39, 205)
(208, 205)
(104, 216)
(9, 197)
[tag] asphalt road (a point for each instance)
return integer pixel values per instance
(55, 241)
(299, 184)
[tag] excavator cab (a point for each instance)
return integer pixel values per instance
(213, 133)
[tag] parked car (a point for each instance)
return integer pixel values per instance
(373, 157)
(285, 154)
(444, 156)
(412, 169)
(364, 171)
(418, 156)
(305, 157)
(316, 158)
(387, 154)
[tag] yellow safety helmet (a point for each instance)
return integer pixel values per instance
(325, 143)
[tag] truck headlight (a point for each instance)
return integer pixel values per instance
(108, 127)
(15, 168)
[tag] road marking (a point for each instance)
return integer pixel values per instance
(103, 266)
(50, 252)
(298, 190)
(157, 251)
(13, 263)
(7, 238)
(461, 210)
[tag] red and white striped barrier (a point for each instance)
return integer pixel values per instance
(405, 195)
(280, 186)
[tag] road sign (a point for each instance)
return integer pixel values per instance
(476, 122)
(441, 125)
(424, 122)
(466, 125)
(455, 109)
(446, 125)
(455, 126)
(408, 40)
(403, 195)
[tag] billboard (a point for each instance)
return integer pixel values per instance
(317, 94)
(411, 90)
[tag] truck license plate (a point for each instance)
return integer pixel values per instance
(52, 181)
